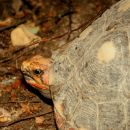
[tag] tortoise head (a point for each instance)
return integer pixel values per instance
(36, 73)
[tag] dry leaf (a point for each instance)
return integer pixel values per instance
(36, 106)
(39, 120)
(5, 116)
(21, 36)
(26, 108)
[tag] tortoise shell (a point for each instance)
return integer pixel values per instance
(91, 78)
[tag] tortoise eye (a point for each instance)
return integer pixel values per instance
(37, 71)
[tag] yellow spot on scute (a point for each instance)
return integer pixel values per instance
(106, 53)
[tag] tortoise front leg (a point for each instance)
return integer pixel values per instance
(60, 118)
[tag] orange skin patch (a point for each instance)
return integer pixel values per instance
(38, 85)
(46, 78)
(59, 121)
(71, 129)
(43, 86)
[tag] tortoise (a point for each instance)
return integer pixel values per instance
(89, 82)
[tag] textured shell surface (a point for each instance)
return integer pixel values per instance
(91, 86)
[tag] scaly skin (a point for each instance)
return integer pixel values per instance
(35, 71)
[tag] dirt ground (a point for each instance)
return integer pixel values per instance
(59, 21)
